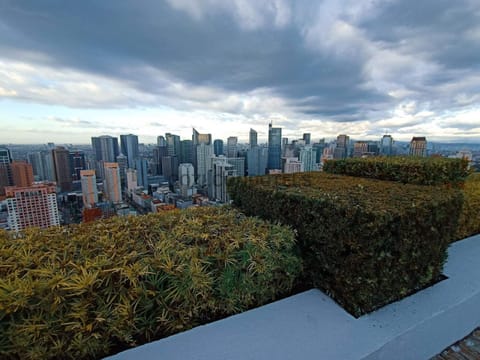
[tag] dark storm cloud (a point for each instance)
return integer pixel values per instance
(343, 76)
(117, 39)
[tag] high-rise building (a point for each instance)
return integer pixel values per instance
(220, 171)
(186, 152)
(170, 168)
(158, 153)
(232, 147)
(198, 138)
(34, 205)
(203, 154)
(129, 148)
(341, 148)
(386, 145)
(257, 158)
(173, 144)
(77, 163)
(318, 147)
(141, 165)
(161, 141)
(105, 148)
(111, 183)
(307, 138)
(202, 151)
(218, 147)
(42, 164)
(253, 138)
(238, 164)
(122, 162)
(274, 148)
(360, 148)
(22, 173)
(292, 165)
(186, 175)
(5, 169)
(89, 188)
(5, 156)
(418, 146)
(308, 156)
(61, 165)
(132, 183)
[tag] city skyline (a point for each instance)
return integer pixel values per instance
(333, 67)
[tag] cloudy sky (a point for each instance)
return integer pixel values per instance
(76, 69)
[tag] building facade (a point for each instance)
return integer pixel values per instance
(111, 183)
(61, 165)
(22, 173)
(89, 188)
(274, 147)
(418, 146)
(129, 148)
(34, 205)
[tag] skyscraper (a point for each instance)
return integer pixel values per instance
(274, 147)
(161, 141)
(129, 148)
(34, 205)
(105, 148)
(158, 153)
(238, 164)
(61, 165)
(203, 151)
(341, 148)
(360, 148)
(77, 163)
(89, 188)
(386, 145)
(186, 176)
(218, 147)
(170, 168)
(141, 165)
(232, 146)
(173, 144)
(308, 157)
(307, 138)
(186, 152)
(198, 138)
(253, 138)
(257, 157)
(5, 169)
(111, 183)
(132, 183)
(418, 146)
(220, 171)
(22, 173)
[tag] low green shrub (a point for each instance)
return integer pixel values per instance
(404, 169)
(469, 222)
(87, 291)
(364, 242)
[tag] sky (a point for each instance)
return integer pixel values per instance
(77, 69)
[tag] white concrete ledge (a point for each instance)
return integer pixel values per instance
(311, 326)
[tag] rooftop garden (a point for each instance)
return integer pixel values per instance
(91, 290)
(86, 291)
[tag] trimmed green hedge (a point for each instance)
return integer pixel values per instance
(469, 223)
(87, 291)
(404, 169)
(365, 242)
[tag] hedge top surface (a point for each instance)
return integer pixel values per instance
(350, 191)
(405, 169)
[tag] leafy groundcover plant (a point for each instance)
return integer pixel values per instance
(90, 290)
